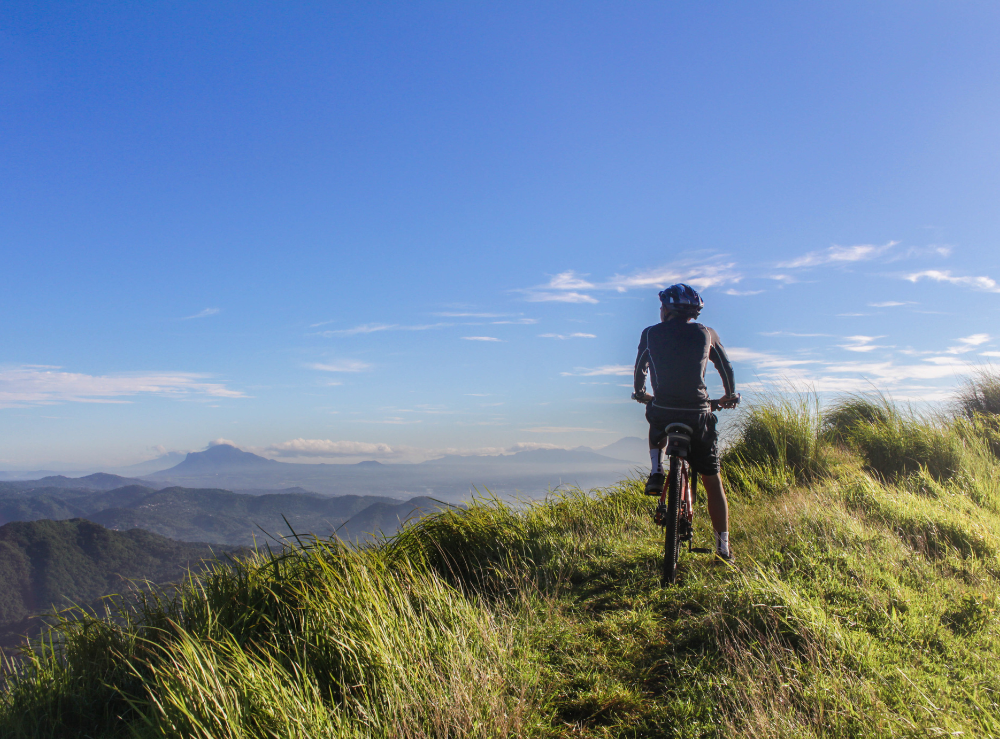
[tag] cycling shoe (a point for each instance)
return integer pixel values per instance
(654, 485)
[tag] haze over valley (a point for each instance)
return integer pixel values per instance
(229, 496)
(222, 498)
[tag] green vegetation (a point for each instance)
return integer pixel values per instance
(211, 515)
(864, 603)
(53, 564)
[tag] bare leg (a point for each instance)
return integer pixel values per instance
(653, 444)
(718, 507)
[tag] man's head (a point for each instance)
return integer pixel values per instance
(680, 301)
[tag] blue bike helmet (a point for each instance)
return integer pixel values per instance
(682, 300)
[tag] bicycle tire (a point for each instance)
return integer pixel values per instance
(671, 544)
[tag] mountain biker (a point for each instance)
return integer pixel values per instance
(676, 352)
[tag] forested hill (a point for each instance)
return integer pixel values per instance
(56, 563)
(215, 516)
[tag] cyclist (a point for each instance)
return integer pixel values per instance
(676, 352)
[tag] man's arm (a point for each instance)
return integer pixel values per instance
(717, 353)
(641, 364)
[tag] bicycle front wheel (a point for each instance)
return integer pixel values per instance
(671, 544)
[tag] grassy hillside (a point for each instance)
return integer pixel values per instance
(52, 564)
(864, 603)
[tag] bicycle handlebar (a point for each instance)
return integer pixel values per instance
(726, 402)
(717, 404)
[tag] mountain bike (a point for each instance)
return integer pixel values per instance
(675, 511)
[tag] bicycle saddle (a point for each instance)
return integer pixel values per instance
(679, 439)
(679, 428)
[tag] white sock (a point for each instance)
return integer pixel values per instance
(722, 542)
(656, 460)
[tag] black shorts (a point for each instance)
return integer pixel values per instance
(704, 454)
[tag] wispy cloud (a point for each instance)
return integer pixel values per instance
(838, 255)
(545, 296)
(607, 369)
(343, 365)
(890, 375)
(572, 287)
(982, 283)
(29, 386)
(371, 328)
(890, 372)
(969, 343)
(700, 276)
(765, 360)
(861, 343)
(891, 304)
(563, 429)
(568, 336)
(716, 272)
(480, 338)
(791, 333)
(472, 315)
(319, 449)
(202, 314)
(570, 281)
(328, 448)
(783, 278)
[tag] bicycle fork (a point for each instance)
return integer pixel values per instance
(686, 513)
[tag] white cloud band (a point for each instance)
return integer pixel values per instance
(28, 386)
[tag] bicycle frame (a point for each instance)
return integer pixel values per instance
(689, 481)
(675, 511)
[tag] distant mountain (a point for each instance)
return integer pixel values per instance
(56, 563)
(222, 516)
(218, 459)
(37, 474)
(163, 462)
(556, 458)
(528, 474)
(277, 491)
(47, 503)
(96, 481)
(631, 449)
(451, 478)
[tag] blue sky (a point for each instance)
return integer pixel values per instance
(345, 231)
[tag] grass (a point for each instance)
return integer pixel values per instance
(864, 603)
(894, 442)
(978, 408)
(777, 444)
(980, 395)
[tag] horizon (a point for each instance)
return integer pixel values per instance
(404, 458)
(377, 233)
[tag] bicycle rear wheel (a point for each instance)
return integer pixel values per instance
(671, 544)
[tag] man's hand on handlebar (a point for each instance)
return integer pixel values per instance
(642, 397)
(726, 401)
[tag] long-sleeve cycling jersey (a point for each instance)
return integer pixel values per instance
(676, 354)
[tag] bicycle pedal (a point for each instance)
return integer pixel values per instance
(701, 550)
(660, 515)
